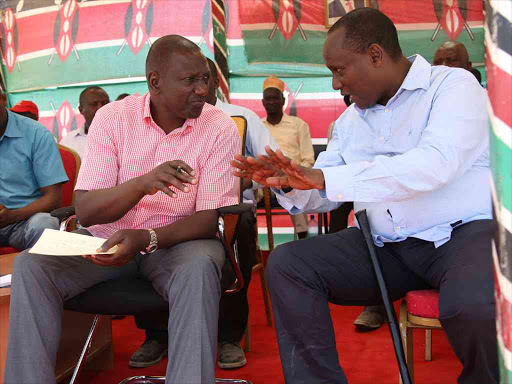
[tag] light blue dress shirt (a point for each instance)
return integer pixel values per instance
(29, 160)
(418, 165)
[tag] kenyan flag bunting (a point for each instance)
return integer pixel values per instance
(498, 38)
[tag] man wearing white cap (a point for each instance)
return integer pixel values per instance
(291, 134)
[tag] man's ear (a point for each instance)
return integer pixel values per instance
(80, 109)
(376, 54)
(216, 82)
(154, 82)
(470, 65)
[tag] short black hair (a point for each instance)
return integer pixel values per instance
(213, 68)
(366, 26)
(91, 88)
(162, 49)
(122, 96)
(477, 74)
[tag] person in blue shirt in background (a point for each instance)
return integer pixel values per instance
(31, 174)
(413, 151)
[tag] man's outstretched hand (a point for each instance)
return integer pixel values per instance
(277, 170)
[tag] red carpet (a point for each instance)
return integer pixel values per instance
(366, 357)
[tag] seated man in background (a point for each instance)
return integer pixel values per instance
(91, 99)
(419, 164)
(234, 308)
(454, 54)
(155, 172)
(31, 174)
(26, 108)
(291, 134)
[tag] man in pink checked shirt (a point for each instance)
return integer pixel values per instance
(155, 170)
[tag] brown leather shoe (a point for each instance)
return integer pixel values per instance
(149, 354)
(372, 318)
(231, 355)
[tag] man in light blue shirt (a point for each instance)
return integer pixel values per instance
(31, 173)
(413, 151)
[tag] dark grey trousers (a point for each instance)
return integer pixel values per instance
(306, 275)
(233, 307)
(186, 275)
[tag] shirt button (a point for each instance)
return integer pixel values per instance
(381, 138)
(386, 110)
(397, 229)
(340, 196)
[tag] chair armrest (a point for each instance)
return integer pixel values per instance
(235, 209)
(229, 218)
(67, 218)
(63, 213)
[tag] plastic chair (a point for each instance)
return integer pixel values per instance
(419, 309)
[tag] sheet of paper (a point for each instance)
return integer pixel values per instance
(60, 243)
(5, 281)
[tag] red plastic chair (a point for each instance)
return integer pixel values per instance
(71, 161)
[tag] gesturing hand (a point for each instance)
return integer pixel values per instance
(171, 173)
(295, 175)
(129, 242)
(277, 170)
(255, 169)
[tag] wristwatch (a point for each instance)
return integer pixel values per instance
(153, 242)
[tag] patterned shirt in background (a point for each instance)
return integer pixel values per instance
(293, 137)
(124, 142)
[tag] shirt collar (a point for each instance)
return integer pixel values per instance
(189, 123)
(419, 74)
(13, 129)
(81, 131)
(284, 119)
(418, 77)
(147, 108)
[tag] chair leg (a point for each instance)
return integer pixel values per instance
(407, 340)
(144, 380)
(247, 337)
(428, 345)
(161, 380)
(85, 350)
(264, 288)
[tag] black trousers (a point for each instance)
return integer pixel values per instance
(305, 276)
(234, 307)
(339, 217)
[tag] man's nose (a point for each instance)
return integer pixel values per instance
(336, 83)
(201, 88)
